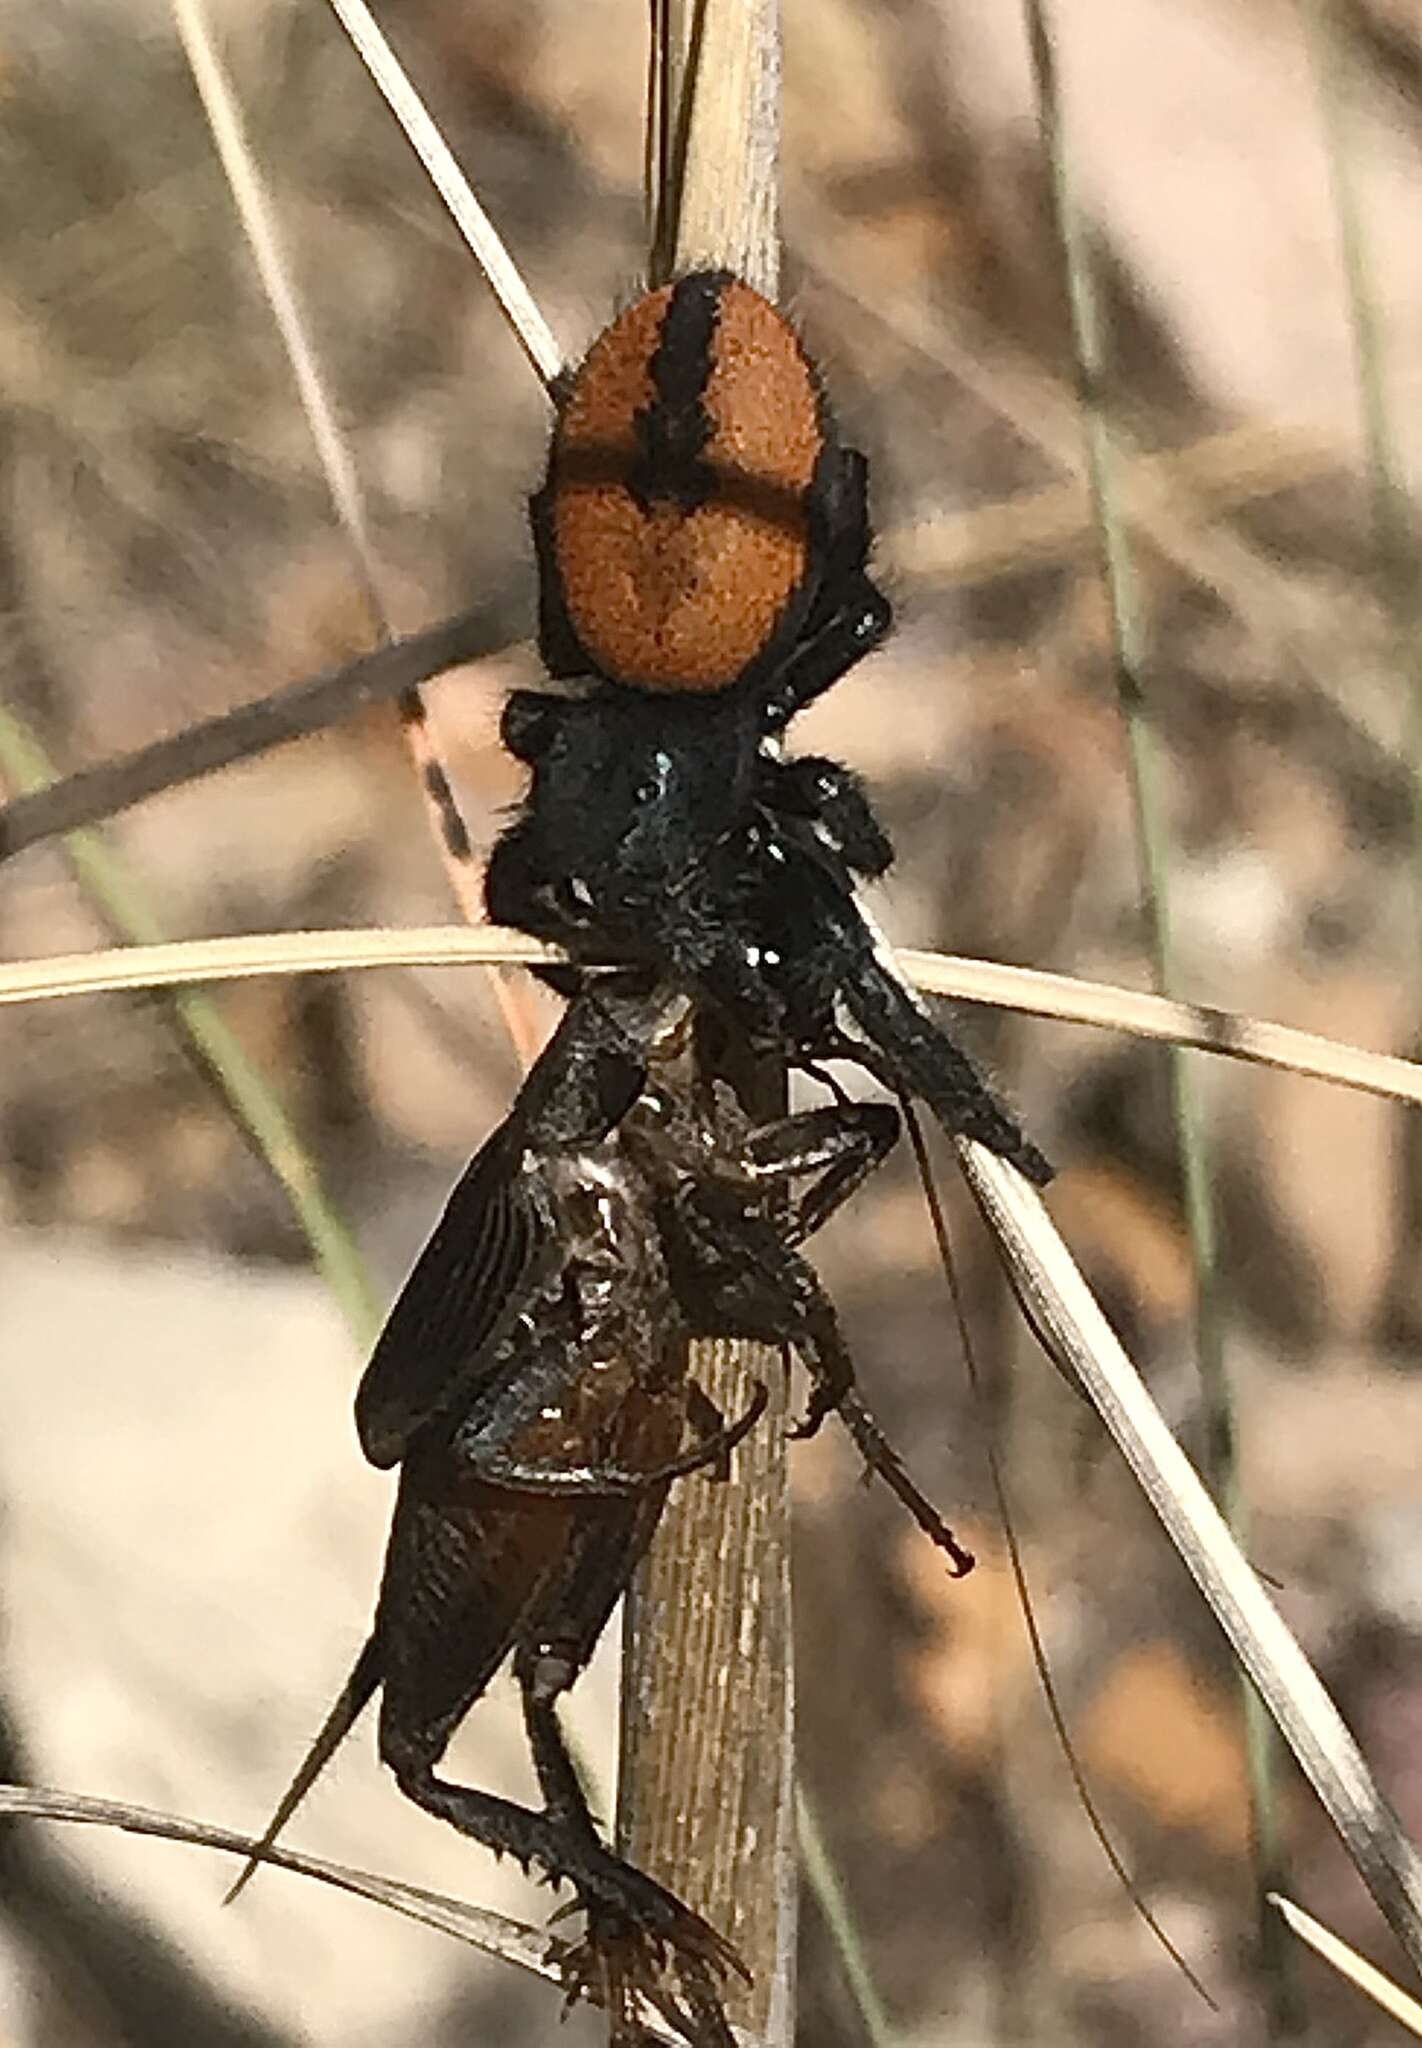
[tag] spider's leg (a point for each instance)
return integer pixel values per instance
(860, 619)
(519, 892)
(916, 1054)
(559, 648)
(833, 798)
(850, 615)
(530, 722)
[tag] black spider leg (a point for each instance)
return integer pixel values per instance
(907, 1049)
(559, 649)
(350, 1702)
(850, 615)
(832, 798)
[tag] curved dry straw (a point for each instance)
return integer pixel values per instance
(1030, 991)
(493, 1934)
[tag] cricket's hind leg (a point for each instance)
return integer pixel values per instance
(640, 1941)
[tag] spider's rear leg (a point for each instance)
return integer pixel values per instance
(860, 619)
(850, 614)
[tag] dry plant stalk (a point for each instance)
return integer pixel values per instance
(707, 1704)
(705, 1796)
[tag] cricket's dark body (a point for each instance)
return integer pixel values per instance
(703, 542)
(583, 1383)
(533, 1384)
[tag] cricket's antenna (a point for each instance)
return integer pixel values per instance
(1019, 1575)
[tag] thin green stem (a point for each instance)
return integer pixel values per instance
(1090, 344)
(822, 1876)
(1128, 636)
(207, 1035)
(1393, 527)
(1392, 520)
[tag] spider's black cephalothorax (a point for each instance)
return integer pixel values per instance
(533, 1384)
(703, 543)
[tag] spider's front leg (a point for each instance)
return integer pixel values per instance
(830, 959)
(917, 1056)
(849, 614)
(827, 795)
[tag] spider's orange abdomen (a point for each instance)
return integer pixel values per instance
(678, 485)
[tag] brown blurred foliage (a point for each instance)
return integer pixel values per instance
(166, 548)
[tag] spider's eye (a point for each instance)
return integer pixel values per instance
(655, 784)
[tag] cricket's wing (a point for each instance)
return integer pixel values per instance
(480, 1268)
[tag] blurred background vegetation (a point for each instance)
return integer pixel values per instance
(188, 1537)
